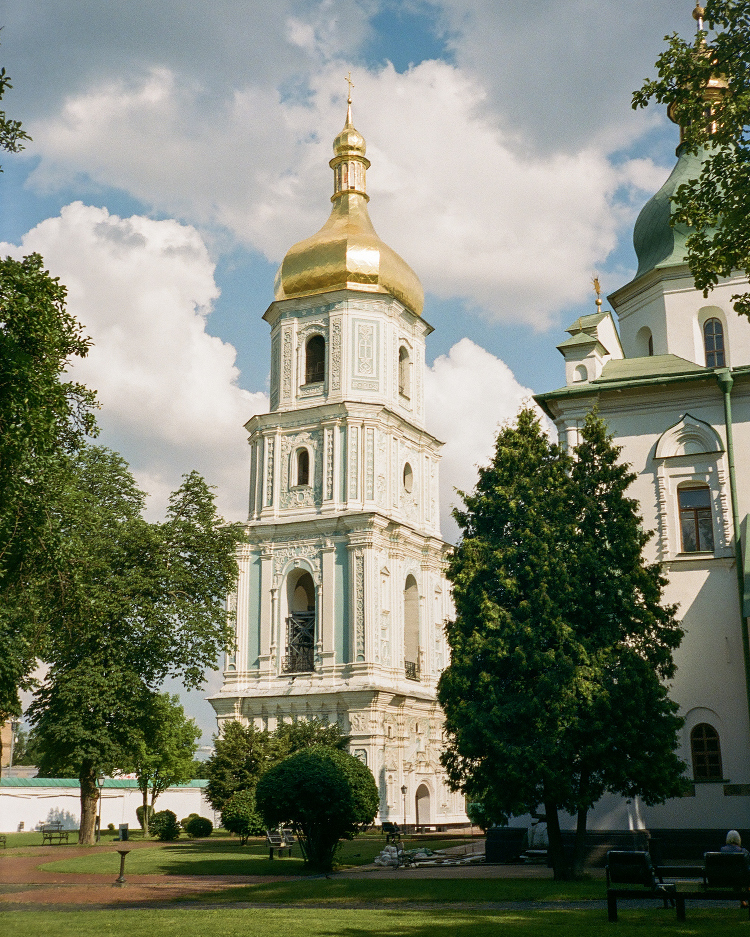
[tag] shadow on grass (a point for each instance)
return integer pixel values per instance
(372, 890)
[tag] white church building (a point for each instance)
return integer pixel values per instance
(669, 371)
(342, 598)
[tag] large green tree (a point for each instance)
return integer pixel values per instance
(553, 694)
(163, 754)
(324, 794)
(40, 416)
(44, 418)
(135, 602)
(691, 78)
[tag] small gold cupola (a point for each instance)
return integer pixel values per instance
(714, 89)
(347, 253)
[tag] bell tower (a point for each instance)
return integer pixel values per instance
(342, 597)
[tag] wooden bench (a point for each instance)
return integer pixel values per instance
(635, 869)
(279, 840)
(54, 832)
(725, 875)
(392, 832)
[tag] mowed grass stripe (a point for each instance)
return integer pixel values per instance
(363, 923)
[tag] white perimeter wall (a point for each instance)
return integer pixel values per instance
(37, 805)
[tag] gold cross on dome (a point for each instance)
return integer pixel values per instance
(351, 85)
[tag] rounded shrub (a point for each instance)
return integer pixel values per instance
(198, 827)
(164, 826)
(325, 794)
(184, 822)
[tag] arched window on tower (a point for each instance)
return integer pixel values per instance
(713, 343)
(411, 629)
(403, 372)
(315, 360)
(300, 624)
(706, 751)
(303, 467)
(644, 341)
(696, 519)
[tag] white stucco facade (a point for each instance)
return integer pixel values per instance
(661, 389)
(342, 598)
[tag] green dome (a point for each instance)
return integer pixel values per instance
(656, 242)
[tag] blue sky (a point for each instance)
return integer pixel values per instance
(181, 148)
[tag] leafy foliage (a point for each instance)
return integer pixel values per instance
(198, 827)
(135, 602)
(560, 644)
(325, 794)
(240, 816)
(164, 825)
(163, 754)
(243, 753)
(717, 204)
(11, 132)
(43, 419)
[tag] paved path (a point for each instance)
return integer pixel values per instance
(23, 883)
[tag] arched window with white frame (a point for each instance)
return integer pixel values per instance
(404, 372)
(713, 343)
(696, 518)
(303, 467)
(705, 749)
(315, 360)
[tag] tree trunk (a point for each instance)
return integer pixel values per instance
(146, 811)
(560, 866)
(89, 804)
(579, 855)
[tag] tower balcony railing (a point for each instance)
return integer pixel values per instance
(300, 660)
(411, 669)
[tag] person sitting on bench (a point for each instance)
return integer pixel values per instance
(734, 844)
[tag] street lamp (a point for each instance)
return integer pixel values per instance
(100, 785)
(403, 792)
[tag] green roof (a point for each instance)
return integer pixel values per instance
(581, 338)
(656, 242)
(587, 322)
(623, 369)
(119, 783)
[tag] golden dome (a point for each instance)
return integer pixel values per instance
(350, 141)
(347, 253)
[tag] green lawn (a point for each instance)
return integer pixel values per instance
(363, 923)
(388, 891)
(220, 855)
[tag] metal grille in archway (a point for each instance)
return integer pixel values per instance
(300, 642)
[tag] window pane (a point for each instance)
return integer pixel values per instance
(689, 538)
(706, 752)
(705, 530)
(713, 343)
(695, 498)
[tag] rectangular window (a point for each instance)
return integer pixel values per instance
(696, 522)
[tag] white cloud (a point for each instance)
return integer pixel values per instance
(168, 390)
(476, 214)
(469, 394)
